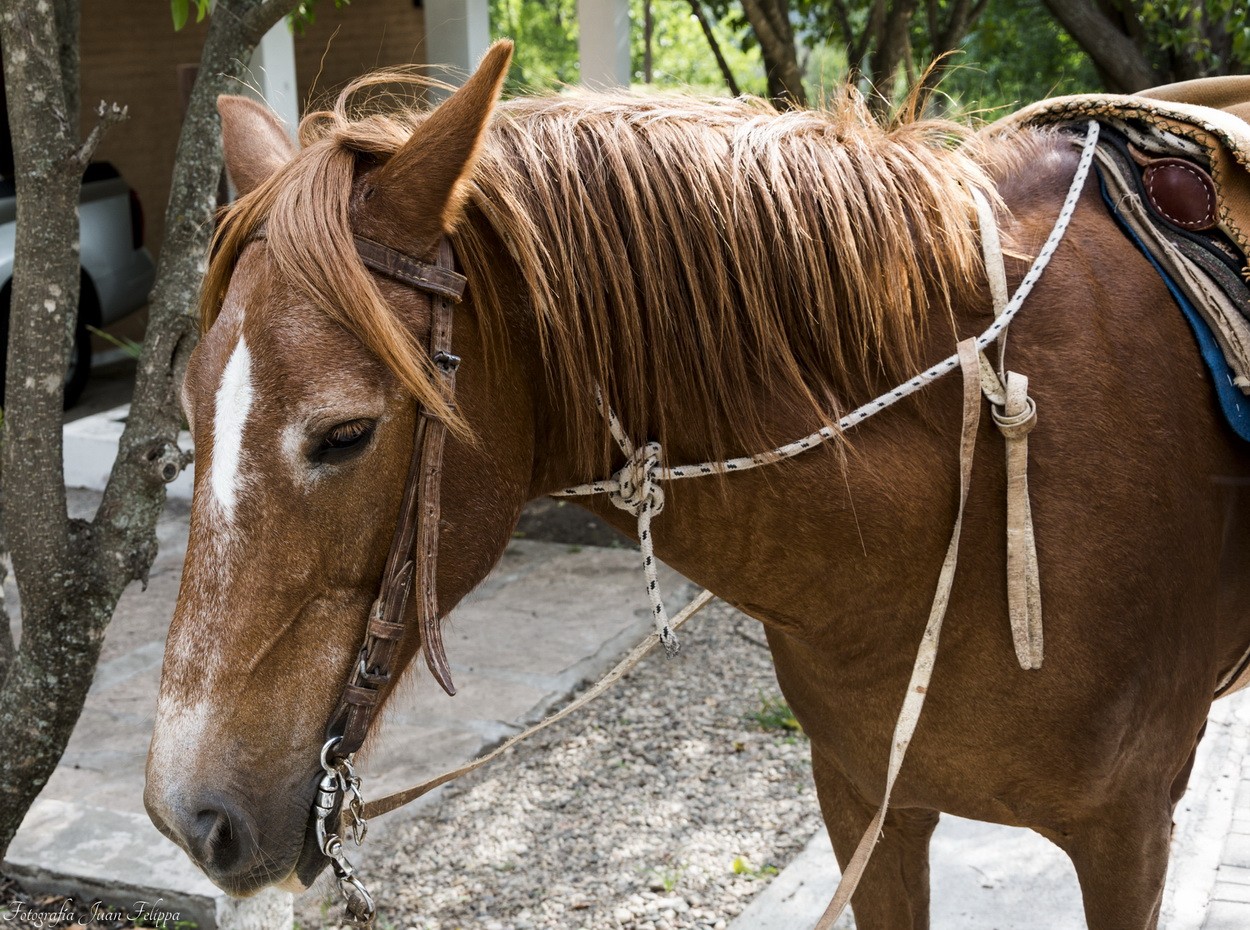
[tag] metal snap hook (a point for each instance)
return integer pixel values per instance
(326, 764)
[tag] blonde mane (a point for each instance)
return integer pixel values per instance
(685, 254)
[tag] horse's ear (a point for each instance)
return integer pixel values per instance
(418, 195)
(255, 141)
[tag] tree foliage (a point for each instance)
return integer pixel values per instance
(1011, 57)
(1135, 44)
(302, 16)
(546, 58)
(545, 33)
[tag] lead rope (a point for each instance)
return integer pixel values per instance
(926, 657)
(635, 488)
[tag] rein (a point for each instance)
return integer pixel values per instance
(635, 487)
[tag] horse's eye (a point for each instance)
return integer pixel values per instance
(344, 441)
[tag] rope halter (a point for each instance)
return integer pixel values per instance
(635, 488)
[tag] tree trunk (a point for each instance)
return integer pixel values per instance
(770, 21)
(1121, 63)
(945, 37)
(892, 47)
(648, 34)
(725, 71)
(71, 573)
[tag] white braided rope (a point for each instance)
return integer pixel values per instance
(635, 486)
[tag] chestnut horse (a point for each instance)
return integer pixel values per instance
(731, 277)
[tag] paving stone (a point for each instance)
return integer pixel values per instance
(1233, 873)
(1237, 851)
(1231, 891)
(1226, 915)
(91, 853)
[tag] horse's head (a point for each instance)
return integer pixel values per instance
(303, 418)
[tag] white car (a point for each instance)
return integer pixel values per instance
(117, 270)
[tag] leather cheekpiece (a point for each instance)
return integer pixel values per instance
(413, 557)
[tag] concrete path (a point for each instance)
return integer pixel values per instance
(988, 877)
(534, 631)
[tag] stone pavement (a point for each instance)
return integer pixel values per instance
(531, 634)
(989, 877)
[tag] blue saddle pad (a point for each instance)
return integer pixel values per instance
(1236, 405)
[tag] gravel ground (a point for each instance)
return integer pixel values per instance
(668, 803)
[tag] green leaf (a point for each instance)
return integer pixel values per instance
(180, 10)
(201, 10)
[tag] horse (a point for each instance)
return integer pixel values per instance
(723, 277)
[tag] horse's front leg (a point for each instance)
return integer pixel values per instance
(1120, 846)
(894, 892)
(1121, 860)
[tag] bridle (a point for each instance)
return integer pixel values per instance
(411, 563)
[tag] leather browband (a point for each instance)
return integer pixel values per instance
(433, 279)
(413, 557)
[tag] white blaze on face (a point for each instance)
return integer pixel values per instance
(234, 403)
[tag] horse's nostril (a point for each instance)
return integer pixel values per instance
(213, 833)
(219, 835)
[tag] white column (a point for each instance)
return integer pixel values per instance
(273, 73)
(457, 35)
(603, 42)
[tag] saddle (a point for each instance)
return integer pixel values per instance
(1174, 169)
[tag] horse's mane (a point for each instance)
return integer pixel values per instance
(679, 252)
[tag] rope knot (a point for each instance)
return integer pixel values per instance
(637, 484)
(1016, 425)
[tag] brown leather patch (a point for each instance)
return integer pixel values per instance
(1181, 192)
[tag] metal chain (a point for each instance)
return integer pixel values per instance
(339, 790)
(635, 487)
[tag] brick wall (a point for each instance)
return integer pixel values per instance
(366, 35)
(131, 55)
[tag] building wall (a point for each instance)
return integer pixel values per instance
(344, 43)
(131, 55)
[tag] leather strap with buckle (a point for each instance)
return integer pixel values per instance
(412, 560)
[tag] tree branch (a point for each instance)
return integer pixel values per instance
(107, 116)
(44, 298)
(6, 630)
(134, 495)
(71, 573)
(726, 72)
(780, 60)
(843, 16)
